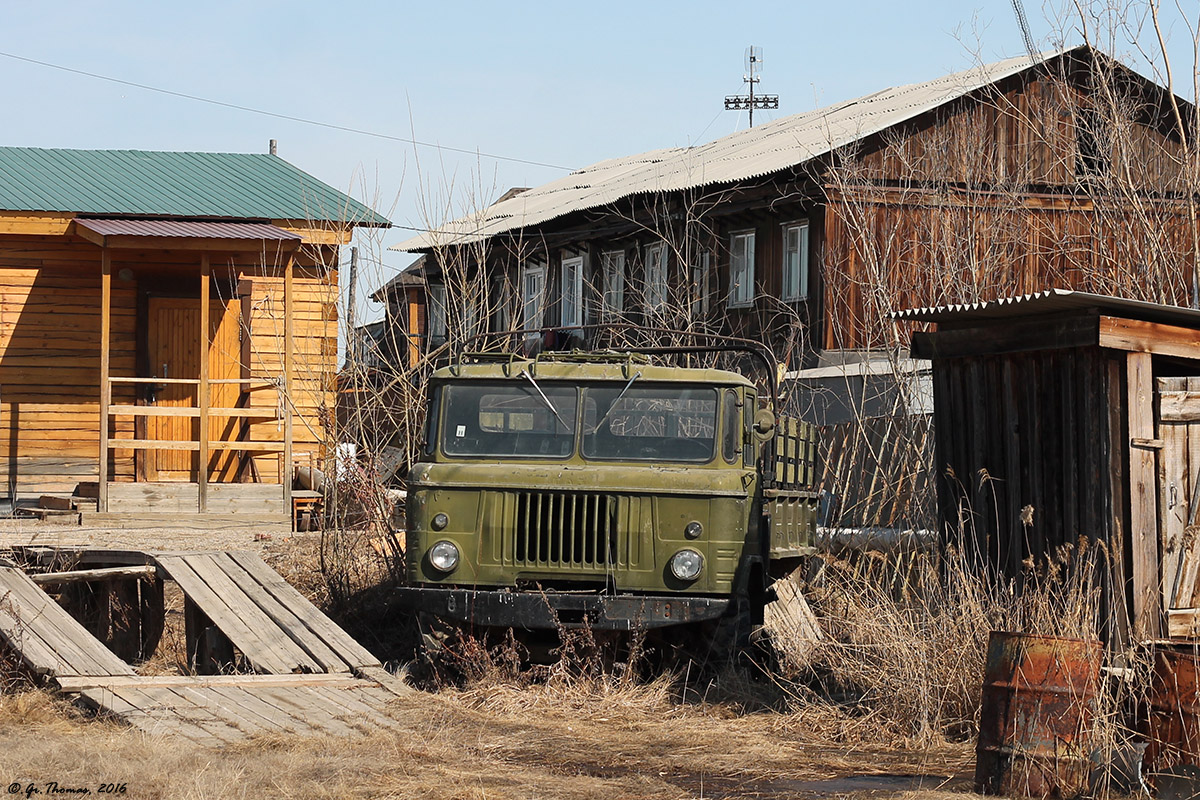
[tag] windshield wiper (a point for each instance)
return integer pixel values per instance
(613, 406)
(546, 400)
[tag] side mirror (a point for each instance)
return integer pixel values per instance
(764, 424)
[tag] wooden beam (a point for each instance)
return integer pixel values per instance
(261, 412)
(289, 345)
(1143, 501)
(203, 391)
(105, 386)
(184, 243)
(333, 234)
(1016, 337)
(25, 223)
(1149, 337)
(88, 575)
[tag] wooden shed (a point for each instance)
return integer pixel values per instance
(1062, 415)
(168, 329)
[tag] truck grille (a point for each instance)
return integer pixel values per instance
(558, 529)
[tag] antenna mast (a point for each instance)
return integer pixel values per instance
(737, 102)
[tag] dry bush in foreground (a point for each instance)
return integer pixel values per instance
(907, 636)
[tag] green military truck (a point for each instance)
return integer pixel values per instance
(603, 490)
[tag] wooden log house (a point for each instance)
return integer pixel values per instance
(168, 329)
(807, 232)
(1063, 416)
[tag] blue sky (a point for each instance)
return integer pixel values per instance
(559, 83)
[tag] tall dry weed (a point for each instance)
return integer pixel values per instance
(906, 637)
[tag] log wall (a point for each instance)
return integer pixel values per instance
(50, 344)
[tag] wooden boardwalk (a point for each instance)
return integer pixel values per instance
(48, 640)
(311, 676)
(275, 627)
(213, 711)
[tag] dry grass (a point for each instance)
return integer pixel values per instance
(907, 637)
(500, 742)
(894, 691)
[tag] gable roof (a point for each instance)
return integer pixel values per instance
(410, 276)
(747, 154)
(168, 184)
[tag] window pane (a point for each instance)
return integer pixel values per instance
(741, 269)
(534, 283)
(614, 283)
(649, 424)
(730, 426)
(572, 292)
(656, 276)
(506, 420)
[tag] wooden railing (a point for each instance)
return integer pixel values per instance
(261, 413)
(202, 443)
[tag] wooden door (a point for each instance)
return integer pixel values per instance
(173, 344)
(1179, 501)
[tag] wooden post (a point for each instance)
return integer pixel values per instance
(203, 389)
(105, 387)
(289, 331)
(1143, 502)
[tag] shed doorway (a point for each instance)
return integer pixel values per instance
(1178, 426)
(173, 349)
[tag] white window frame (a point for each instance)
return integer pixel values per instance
(654, 272)
(794, 269)
(533, 304)
(437, 323)
(612, 266)
(701, 285)
(741, 269)
(571, 308)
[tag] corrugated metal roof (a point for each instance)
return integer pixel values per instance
(1054, 301)
(412, 275)
(747, 154)
(186, 229)
(165, 184)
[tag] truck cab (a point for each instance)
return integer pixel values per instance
(590, 489)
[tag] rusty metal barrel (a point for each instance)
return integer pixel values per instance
(1039, 702)
(1173, 724)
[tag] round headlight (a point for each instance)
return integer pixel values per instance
(686, 565)
(440, 521)
(443, 556)
(693, 530)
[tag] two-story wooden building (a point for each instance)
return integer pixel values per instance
(168, 329)
(809, 231)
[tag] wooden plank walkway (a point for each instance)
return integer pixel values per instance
(275, 627)
(217, 713)
(313, 677)
(47, 639)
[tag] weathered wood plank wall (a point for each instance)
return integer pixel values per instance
(50, 345)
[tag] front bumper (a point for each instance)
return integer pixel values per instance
(550, 610)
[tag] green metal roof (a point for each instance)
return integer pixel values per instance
(159, 184)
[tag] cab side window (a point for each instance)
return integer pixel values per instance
(749, 442)
(731, 430)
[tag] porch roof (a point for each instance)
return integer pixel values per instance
(191, 235)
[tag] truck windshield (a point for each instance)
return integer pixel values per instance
(494, 419)
(649, 423)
